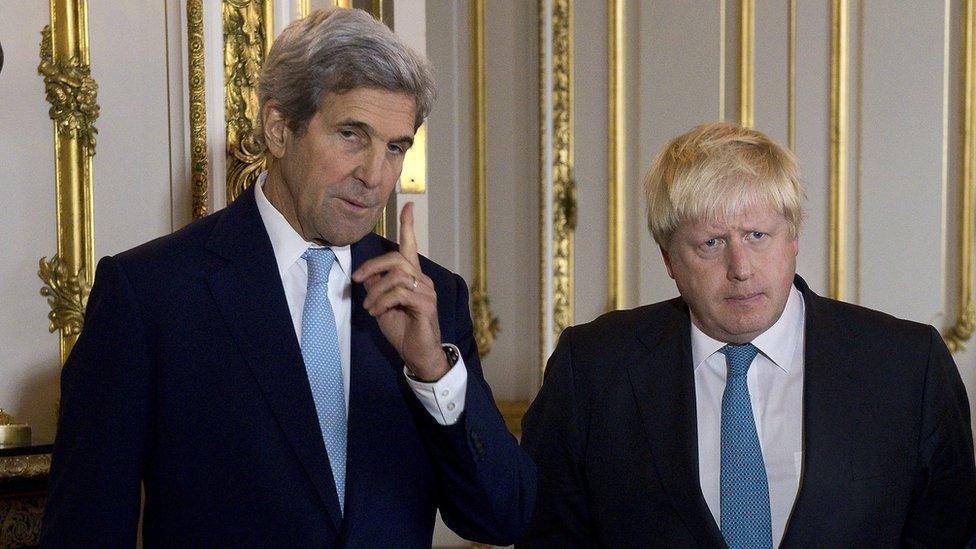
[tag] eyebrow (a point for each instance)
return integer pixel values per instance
(402, 140)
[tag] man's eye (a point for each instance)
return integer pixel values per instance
(710, 243)
(758, 235)
(395, 149)
(348, 134)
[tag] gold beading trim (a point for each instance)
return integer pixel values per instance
(747, 24)
(564, 188)
(837, 268)
(486, 325)
(72, 94)
(198, 107)
(615, 153)
(557, 253)
(248, 36)
(959, 333)
(25, 467)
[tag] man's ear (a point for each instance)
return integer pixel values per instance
(275, 129)
(667, 261)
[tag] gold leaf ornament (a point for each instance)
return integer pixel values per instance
(72, 93)
(66, 293)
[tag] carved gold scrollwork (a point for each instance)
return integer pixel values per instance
(557, 189)
(486, 325)
(563, 186)
(247, 39)
(71, 92)
(66, 293)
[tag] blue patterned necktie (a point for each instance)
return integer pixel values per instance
(745, 490)
(320, 349)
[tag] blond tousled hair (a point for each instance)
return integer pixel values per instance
(717, 170)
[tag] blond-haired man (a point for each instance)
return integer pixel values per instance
(748, 412)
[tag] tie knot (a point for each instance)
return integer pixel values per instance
(739, 357)
(320, 262)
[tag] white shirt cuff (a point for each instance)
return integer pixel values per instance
(444, 398)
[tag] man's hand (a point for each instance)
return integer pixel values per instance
(404, 303)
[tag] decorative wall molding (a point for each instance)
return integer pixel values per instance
(837, 263)
(67, 294)
(248, 35)
(72, 93)
(962, 330)
(616, 160)
(558, 200)
(486, 325)
(747, 41)
(198, 107)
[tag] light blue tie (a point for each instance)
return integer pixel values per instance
(745, 489)
(320, 349)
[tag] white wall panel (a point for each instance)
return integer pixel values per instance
(902, 188)
(29, 367)
(132, 195)
(513, 158)
(771, 66)
(680, 80)
(590, 153)
(813, 137)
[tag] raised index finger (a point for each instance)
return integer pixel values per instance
(408, 239)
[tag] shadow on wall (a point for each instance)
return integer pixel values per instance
(40, 394)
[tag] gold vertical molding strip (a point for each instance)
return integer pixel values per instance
(557, 190)
(563, 187)
(963, 329)
(837, 268)
(791, 79)
(198, 108)
(486, 325)
(247, 26)
(747, 35)
(69, 88)
(615, 153)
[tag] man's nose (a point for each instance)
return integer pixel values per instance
(370, 169)
(739, 262)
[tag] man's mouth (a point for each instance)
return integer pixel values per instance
(354, 205)
(744, 298)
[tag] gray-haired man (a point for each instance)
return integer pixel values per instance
(276, 374)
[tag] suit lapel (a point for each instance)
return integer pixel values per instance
(830, 414)
(660, 374)
(250, 296)
(370, 385)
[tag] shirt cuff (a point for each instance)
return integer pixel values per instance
(444, 398)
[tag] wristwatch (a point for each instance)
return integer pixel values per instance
(453, 355)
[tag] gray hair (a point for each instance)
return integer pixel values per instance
(336, 50)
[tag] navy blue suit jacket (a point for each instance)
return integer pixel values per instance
(887, 445)
(188, 378)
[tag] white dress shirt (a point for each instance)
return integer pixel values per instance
(775, 381)
(444, 399)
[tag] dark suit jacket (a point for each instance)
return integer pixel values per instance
(887, 445)
(188, 377)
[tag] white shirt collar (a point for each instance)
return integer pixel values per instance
(778, 342)
(287, 244)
